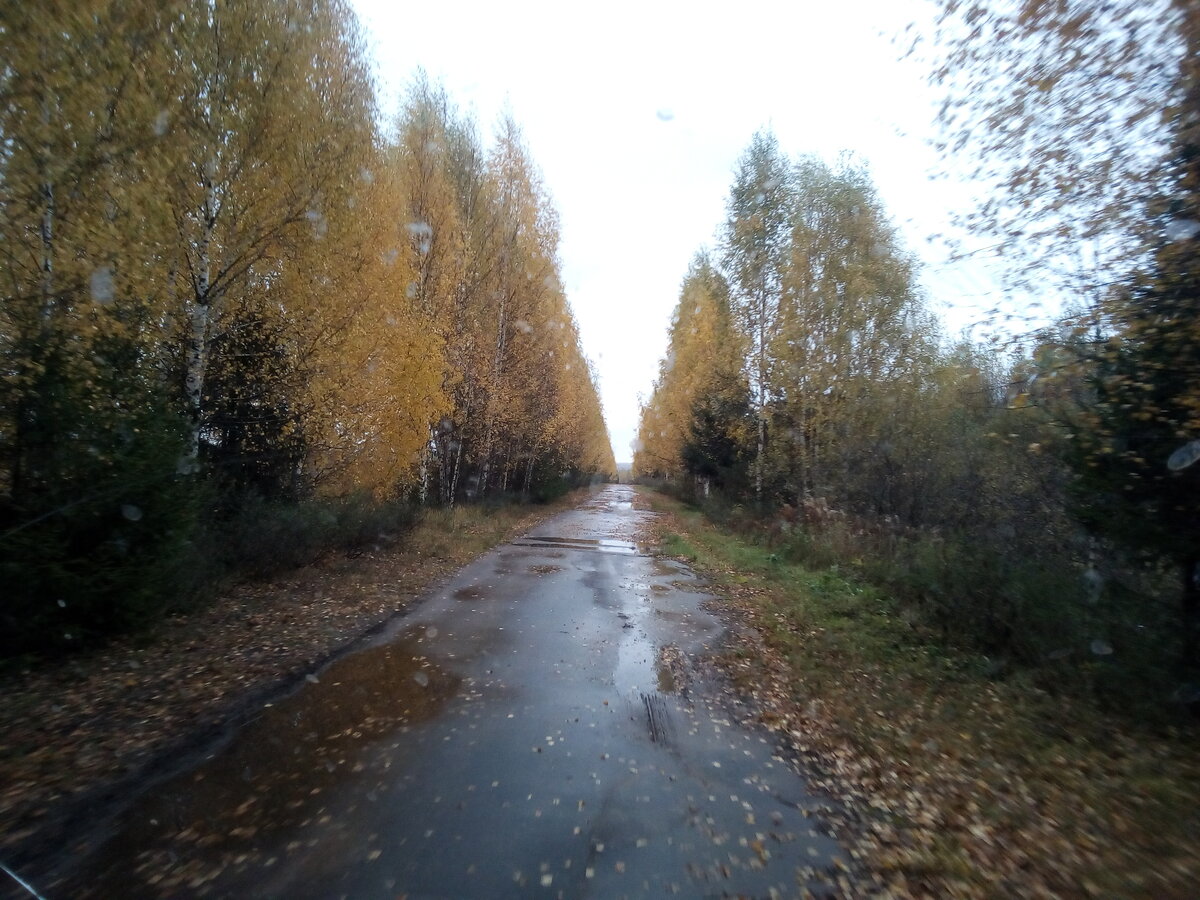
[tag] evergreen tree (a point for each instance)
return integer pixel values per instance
(1137, 453)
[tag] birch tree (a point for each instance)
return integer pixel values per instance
(88, 442)
(274, 118)
(754, 246)
(849, 328)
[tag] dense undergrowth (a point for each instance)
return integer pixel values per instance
(968, 777)
(1036, 615)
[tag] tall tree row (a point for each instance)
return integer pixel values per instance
(811, 324)
(1040, 501)
(220, 278)
(523, 411)
(805, 381)
(697, 419)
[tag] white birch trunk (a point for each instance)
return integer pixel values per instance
(200, 318)
(423, 490)
(458, 454)
(497, 370)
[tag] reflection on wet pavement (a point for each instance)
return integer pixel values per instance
(528, 729)
(269, 784)
(604, 546)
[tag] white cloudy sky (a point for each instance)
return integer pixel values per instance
(636, 113)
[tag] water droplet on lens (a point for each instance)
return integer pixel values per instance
(1182, 229)
(101, 284)
(317, 221)
(422, 234)
(1184, 456)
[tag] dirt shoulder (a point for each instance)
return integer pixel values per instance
(78, 735)
(949, 782)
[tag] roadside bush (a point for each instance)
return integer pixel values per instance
(260, 537)
(97, 544)
(1035, 610)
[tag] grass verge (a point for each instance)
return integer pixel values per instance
(958, 784)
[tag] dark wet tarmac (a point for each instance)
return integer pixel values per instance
(518, 734)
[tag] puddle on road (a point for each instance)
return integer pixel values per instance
(671, 615)
(522, 554)
(663, 567)
(613, 502)
(667, 682)
(281, 807)
(604, 545)
(273, 778)
(545, 570)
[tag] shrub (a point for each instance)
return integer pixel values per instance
(262, 537)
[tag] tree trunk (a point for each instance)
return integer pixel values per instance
(46, 263)
(423, 488)
(1191, 612)
(758, 460)
(762, 395)
(47, 260)
(455, 471)
(197, 363)
(497, 370)
(200, 316)
(458, 452)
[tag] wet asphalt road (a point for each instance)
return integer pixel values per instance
(518, 734)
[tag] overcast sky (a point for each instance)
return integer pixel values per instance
(636, 114)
